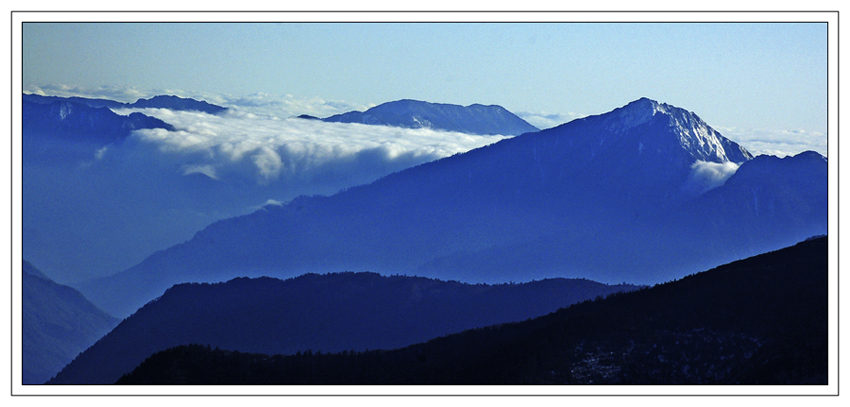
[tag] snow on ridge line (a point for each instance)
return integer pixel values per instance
(696, 135)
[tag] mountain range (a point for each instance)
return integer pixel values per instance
(621, 196)
(67, 130)
(758, 321)
(646, 193)
(415, 114)
(171, 102)
(82, 174)
(63, 131)
(317, 313)
(127, 195)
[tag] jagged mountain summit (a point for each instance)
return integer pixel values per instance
(472, 119)
(613, 197)
(690, 133)
(644, 151)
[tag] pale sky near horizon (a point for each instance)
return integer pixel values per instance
(766, 78)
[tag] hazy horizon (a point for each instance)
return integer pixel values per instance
(763, 84)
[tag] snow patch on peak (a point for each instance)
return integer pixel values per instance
(703, 142)
(639, 112)
(700, 139)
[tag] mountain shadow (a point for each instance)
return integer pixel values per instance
(58, 323)
(758, 321)
(317, 313)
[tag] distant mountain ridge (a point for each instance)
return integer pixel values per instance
(414, 114)
(81, 123)
(608, 197)
(58, 323)
(320, 313)
(161, 101)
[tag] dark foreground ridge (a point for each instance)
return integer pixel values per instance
(329, 313)
(762, 320)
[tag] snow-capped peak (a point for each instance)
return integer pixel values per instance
(638, 112)
(702, 141)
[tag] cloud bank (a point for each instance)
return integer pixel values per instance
(547, 120)
(758, 141)
(157, 188)
(264, 149)
(282, 106)
(260, 139)
(780, 143)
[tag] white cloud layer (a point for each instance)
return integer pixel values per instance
(267, 148)
(261, 103)
(546, 120)
(780, 143)
(758, 141)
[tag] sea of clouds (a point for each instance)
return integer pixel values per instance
(264, 148)
(158, 187)
(260, 139)
(779, 142)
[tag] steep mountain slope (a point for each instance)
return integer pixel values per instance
(472, 119)
(58, 324)
(607, 197)
(759, 321)
(328, 313)
(768, 203)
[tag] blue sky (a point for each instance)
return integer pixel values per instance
(762, 83)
